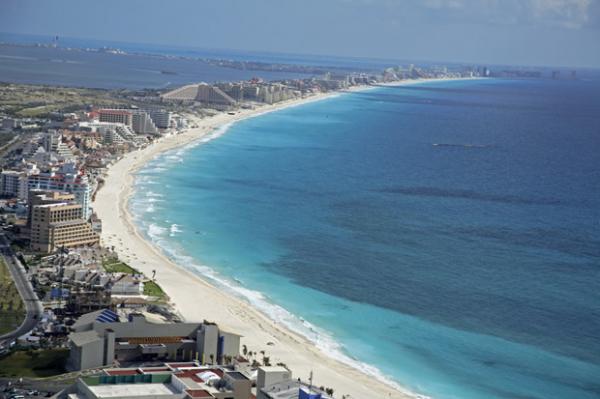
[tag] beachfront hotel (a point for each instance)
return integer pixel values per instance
(140, 121)
(116, 116)
(100, 339)
(67, 179)
(191, 380)
(57, 221)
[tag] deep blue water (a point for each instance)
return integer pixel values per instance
(467, 270)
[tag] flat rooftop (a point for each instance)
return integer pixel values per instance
(131, 390)
(290, 390)
(236, 375)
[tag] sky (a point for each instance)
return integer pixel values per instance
(516, 32)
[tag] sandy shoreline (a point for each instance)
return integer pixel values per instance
(195, 298)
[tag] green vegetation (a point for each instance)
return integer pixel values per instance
(5, 138)
(12, 308)
(34, 363)
(153, 289)
(113, 265)
(36, 111)
(38, 101)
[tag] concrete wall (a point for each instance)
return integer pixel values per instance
(207, 340)
(92, 355)
(271, 375)
(231, 344)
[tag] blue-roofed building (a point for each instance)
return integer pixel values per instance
(107, 316)
(59, 293)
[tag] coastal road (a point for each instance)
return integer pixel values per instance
(32, 304)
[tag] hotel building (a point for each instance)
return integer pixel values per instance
(56, 223)
(100, 338)
(69, 180)
(13, 184)
(214, 97)
(190, 380)
(116, 116)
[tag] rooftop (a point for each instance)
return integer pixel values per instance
(290, 390)
(131, 390)
(236, 375)
(199, 393)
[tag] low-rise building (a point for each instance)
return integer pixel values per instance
(188, 380)
(99, 338)
(128, 285)
(277, 383)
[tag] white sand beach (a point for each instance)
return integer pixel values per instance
(197, 300)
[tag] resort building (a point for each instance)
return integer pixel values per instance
(66, 179)
(58, 224)
(205, 94)
(277, 383)
(184, 94)
(13, 184)
(214, 97)
(140, 121)
(45, 197)
(160, 117)
(52, 143)
(188, 380)
(116, 116)
(143, 124)
(100, 338)
(113, 133)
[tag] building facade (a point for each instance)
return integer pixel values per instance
(99, 338)
(59, 225)
(68, 180)
(116, 116)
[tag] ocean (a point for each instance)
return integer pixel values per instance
(444, 236)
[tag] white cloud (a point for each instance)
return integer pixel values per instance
(567, 13)
(558, 13)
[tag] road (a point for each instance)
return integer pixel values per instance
(32, 304)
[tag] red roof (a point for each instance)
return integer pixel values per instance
(154, 369)
(113, 112)
(180, 365)
(123, 372)
(191, 374)
(198, 393)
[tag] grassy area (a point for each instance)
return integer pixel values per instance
(33, 112)
(116, 266)
(5, 138)
(153, 289)
(12, 308)
(39, 363)
(38, 101)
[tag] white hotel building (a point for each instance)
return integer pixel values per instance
(67, 180)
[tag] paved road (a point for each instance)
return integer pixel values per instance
(32, 304)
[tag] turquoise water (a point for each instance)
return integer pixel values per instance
(463, 270)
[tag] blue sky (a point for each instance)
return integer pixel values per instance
(527, 32)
